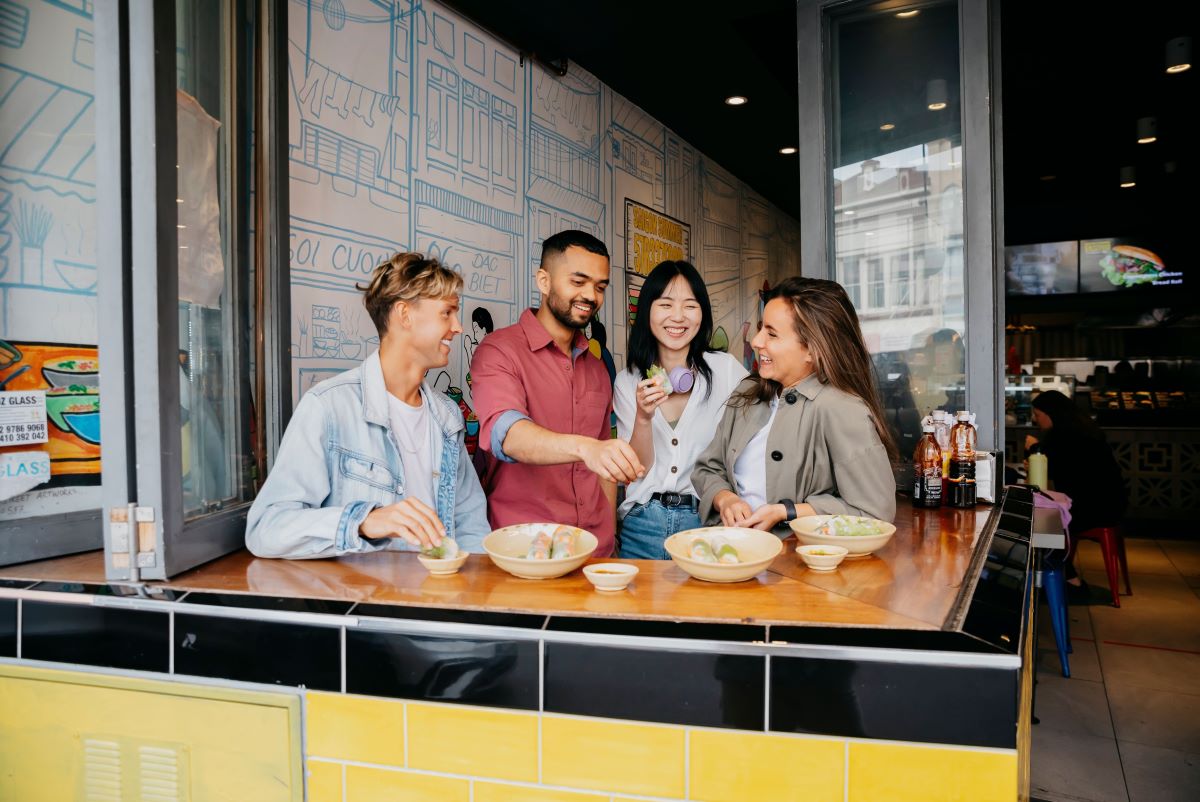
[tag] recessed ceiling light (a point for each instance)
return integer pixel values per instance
(887, 126)
(1128, 184)
(787, 151)
(937, 106)
(736, 100)
(1147, 130)
(1179, 55)
(935, 94)
(1128, 176)
(908, 14)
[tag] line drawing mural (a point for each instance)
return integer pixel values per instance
(48, 239)
(411, 127)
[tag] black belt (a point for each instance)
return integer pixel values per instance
(676, 499)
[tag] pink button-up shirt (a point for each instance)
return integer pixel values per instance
(518, 373)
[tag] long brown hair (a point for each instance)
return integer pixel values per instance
(827, 325)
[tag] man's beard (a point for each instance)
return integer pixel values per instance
(563, 314)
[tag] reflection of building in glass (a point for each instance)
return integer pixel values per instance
(899, 230)
(899, 238)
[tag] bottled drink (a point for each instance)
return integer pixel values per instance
(962, 463)
(941, 433)
(927, 469)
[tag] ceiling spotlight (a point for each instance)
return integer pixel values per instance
(1179, 55)
(935, 94)
(736, 100)
(1147, 130)
(787, 151)
(887, 126)
(908, 14)
(1128, 177)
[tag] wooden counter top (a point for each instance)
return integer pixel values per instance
(912, 583)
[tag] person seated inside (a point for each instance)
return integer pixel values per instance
(805, 434)
(374, 458)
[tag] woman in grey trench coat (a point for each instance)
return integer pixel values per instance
(805, 434)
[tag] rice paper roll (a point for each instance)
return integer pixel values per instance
(539, 549)
(563, 543)
(701, 551)
(724, 552)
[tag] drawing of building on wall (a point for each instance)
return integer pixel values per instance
(562, 162)
(349, 137)
(467, 208)
(47, 173)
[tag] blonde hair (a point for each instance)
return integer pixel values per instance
(406, 277)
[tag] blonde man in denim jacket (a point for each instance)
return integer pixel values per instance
(374, 458)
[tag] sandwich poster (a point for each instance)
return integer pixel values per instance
(1113, 264)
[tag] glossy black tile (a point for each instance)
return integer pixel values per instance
(484, 617)
(693, 688)
(148, 592)
(925, 640)
(496, 673)
(743, 633)
(98, 636)
(895, 701)
(248, 602)
(8, 627)
(15, 583)
(258, 651)
(67, 587)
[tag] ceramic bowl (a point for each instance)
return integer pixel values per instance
(445, 567)
(857, 546)
(507, 548)
(822, 558)
(610, 576)
(755, 548)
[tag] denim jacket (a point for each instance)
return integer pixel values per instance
(339, 460)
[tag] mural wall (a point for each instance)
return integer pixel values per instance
(411, 128)
(48, 274)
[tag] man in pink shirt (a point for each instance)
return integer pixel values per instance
(544, 403)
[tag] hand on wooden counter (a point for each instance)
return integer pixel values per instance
(408, 519)
(734, 510)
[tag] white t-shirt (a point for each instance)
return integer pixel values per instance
(750, 468)
(676, 448)
(413, 429)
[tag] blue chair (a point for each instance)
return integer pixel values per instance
(1055, 585)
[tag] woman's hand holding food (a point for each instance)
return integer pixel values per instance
(650, 396)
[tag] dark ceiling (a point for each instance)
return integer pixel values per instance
(1075, 80)
(678, 60)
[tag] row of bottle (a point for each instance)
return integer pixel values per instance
(944, 461)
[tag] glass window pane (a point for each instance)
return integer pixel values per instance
(214, 364)
(48, 278)
(896, 180)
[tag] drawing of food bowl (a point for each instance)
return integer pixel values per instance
(71, 370)
(75, 409)
(76, 275)
(325, 346)
(351, 348)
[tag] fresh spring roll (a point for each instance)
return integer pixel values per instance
(724, 552)
(701, 551)
(448, 550)
(539, 549)
(563, 543)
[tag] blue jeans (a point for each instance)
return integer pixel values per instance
(646, 526)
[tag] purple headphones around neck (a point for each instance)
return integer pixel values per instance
(682, 379)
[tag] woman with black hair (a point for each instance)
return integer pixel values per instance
(1079, 461)
(669, 421)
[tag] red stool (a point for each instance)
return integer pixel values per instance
(1112, 546)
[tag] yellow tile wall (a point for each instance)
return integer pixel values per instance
(737, 766)
(382, 785)
(900, 773)
(357, 728)
(613, 756)
(456, 751)
(475, 741)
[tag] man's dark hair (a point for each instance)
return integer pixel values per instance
(571, 238)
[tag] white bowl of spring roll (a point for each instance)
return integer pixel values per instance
(540, 550)
(723, 553)
(858, 535)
